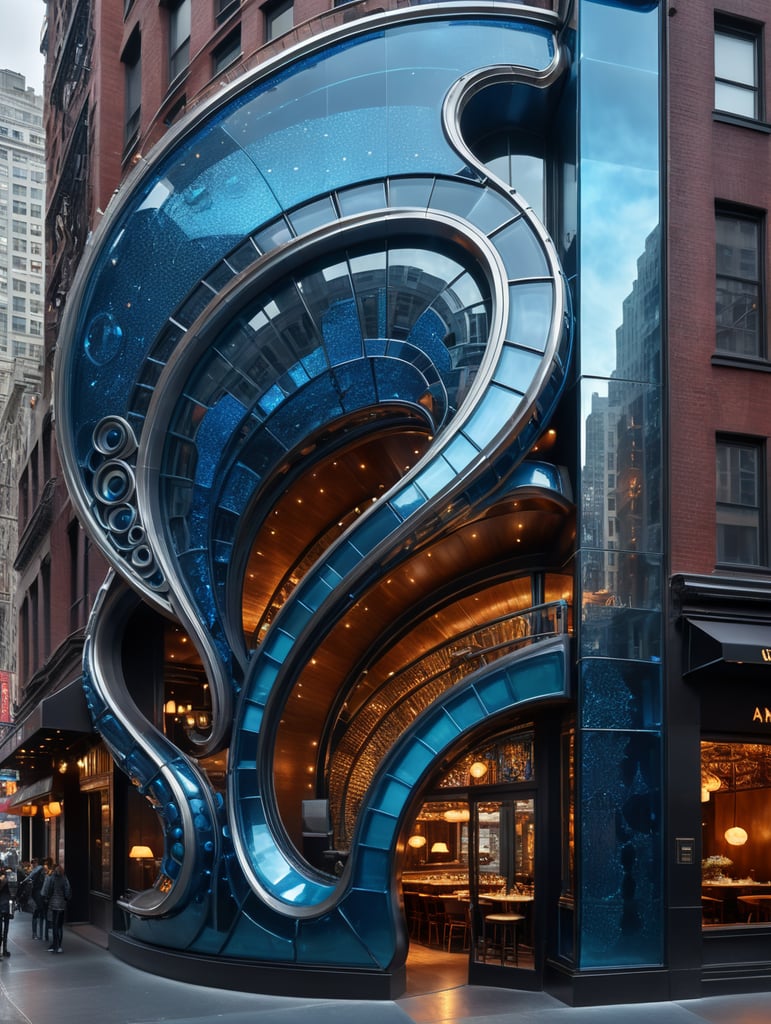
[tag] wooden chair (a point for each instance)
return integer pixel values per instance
(456, 921)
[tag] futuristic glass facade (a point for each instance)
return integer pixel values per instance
(318, 256)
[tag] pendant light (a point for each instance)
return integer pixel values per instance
(735, 835)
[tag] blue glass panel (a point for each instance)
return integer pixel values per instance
(520, 250)
(356, 385)
(369, 869)
(494, 692)
(378, 829)
(490, 210)
(460, 452)
(410, 191)
(362, 199)
(530, 310)
(220, 421)
(342, 331)
(313, 215)
(391, 796)
(490, 416)
(517, 367)
(620, 858)
(437, 732)
(434, 477)
(620, 694)
(413, 762)
(408, 500)
(378, 525)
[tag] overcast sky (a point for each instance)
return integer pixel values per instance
(20, 25)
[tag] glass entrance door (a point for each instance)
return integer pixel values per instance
(502, 884)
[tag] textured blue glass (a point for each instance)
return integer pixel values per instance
(619, 694)
(620, 856)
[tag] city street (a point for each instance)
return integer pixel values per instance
(87, 985)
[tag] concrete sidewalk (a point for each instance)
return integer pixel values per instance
(87, 985)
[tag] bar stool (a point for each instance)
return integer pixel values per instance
(504, 928)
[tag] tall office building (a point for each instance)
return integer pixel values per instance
(22, 257)
(411, 376)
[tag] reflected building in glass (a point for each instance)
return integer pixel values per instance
(364, 389)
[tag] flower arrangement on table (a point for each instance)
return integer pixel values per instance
(713, 868)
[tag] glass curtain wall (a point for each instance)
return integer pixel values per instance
(618, 743)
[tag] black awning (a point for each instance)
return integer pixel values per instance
(29, 794)
(715, 642)
(64, 711)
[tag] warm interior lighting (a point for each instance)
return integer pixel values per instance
(457, 814)
(170, 707)
(478, 770)
(735, 836)
(53, 810)
(711, 783)
(416, 842)
(141, 853)
(440, 848)
(29, 809)
(704, 795)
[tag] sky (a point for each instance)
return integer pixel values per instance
(20, 25)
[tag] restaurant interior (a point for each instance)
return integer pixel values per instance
(736, 833)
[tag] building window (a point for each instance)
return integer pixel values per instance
(737, 69)
(279, 18)
(228, 51)
(739, 299)
(132, 69)
(740, 511)
(224, 8)
(179, 39)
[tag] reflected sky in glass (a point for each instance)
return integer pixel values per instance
(619, 175)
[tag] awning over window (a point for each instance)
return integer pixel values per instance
(63, 712)
(712, 643)
(29, 794)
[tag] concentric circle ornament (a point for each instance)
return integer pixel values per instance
(315, 245)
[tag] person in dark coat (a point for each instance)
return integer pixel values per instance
(6, 910)
(35, 880)
(56, 889)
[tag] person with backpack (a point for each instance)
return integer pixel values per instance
(57, 891)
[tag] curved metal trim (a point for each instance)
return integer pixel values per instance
(112, 607)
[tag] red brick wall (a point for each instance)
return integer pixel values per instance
(708, 161)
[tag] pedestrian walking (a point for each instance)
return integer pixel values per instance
(6, 910)
(57, 891)
(35, 880)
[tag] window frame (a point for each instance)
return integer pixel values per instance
(227, 52)
(729, 506)
(179, 54)
(272, 12)
(723, 214)
(729, 27)
(132, 83)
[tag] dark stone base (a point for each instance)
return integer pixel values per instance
(320, 982)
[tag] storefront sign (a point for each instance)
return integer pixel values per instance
(5, 697)
(765, 654)
(762, 715)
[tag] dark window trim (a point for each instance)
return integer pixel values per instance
(761, 446)
(758, 217)
(729, 24)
